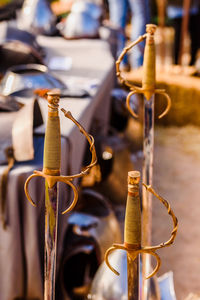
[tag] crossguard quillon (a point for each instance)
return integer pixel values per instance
(133, 253)
(51, 180)
(148, 89)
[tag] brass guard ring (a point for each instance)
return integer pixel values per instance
(133, 255)
(137, 90)
(51, 181)
(128, 102)
(26, 188)
(169, 102)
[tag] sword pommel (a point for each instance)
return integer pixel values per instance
(151, 28)
(53, 98)
(133, 177)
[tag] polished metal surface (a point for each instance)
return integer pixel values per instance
(9, 32)
(107, 286)
(17, 47)
(79, 25)
(31, 76)
(166, 284)
(8, 103)
(147, 174)
(37, 17)
(96, 219)
(83, 21)
(89, 7)
(92, 227)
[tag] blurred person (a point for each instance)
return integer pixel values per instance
(140, 16)
(8, 9)
(175, 13)
(62, 7)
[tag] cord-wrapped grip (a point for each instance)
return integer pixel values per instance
(52, 143)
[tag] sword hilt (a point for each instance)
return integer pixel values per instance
(149, 71)
(52, 152)
(132, 232)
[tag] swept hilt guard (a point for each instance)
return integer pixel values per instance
(52, 175)
(90, 140)
(148, 80)
(135, 248)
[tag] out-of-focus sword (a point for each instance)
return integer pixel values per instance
(148, 90)
(51, 173)
(132, 235)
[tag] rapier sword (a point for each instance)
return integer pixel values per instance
(51, 173)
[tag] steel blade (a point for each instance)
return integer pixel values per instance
(51, 223)
(133, 277)
(147, 175)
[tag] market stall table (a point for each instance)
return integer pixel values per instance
(21, 250)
